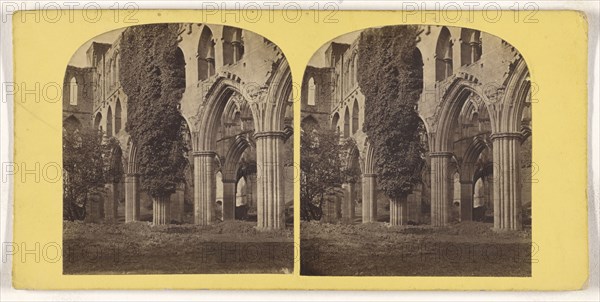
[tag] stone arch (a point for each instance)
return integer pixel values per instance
(459, 92)
(515, 99)
(219, 95)
(279, 92)
(132, 158)
(206, 54)
(180, 61)
(233, 156)
(233, 47)
(369, 159)
(347, 122)
(470, 46)
(73, 91)
(418, 62)
(117, 116)
(109, 122)
(311, 92)
(443, 55)
(469, 160)
(369, 185)
(355, 112)
(353, 158)
(132, 183)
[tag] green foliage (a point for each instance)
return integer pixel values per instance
(322, 170)
(390, 78)
(84, 170)
(153, 78)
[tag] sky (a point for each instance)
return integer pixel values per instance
(79, 57)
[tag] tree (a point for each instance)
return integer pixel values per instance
(152, 75)
(84, 169)
(322, 170)
(391, 79)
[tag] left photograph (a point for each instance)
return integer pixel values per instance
(178, 153)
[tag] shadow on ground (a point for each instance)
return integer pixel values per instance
(140, 248)
(377, 249)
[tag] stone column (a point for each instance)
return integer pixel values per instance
(132, 197)
(466, 200)
(399, 211)
(507, 174)
(441, 192)
(205, 187)
(177, 203)
(111, 202)
(270, 180)
(348, 203)
(369, 198)
(161, 213)
(229, 199)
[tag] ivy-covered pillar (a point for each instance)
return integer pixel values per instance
(229, 199)
(507, 175)
(369, 198)
(399, 211)
(441, 188)
(270, 180)
(205, 187)
(132, 197)
(161, 210)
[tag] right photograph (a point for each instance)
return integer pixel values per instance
(416, 146)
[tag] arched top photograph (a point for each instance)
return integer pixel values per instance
(172, 124)
(425, 126)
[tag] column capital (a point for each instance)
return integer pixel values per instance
(230, 181)
(516, 135)
(132, 174)
(204, 153)
(274, 134)
(440, 154)
(370, 175)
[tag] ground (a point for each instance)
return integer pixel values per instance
(377, 249)
(140, 248)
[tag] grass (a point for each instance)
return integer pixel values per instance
(140, 248)
(377, 249)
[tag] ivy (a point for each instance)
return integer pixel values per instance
(391, 79)
(153, 78)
